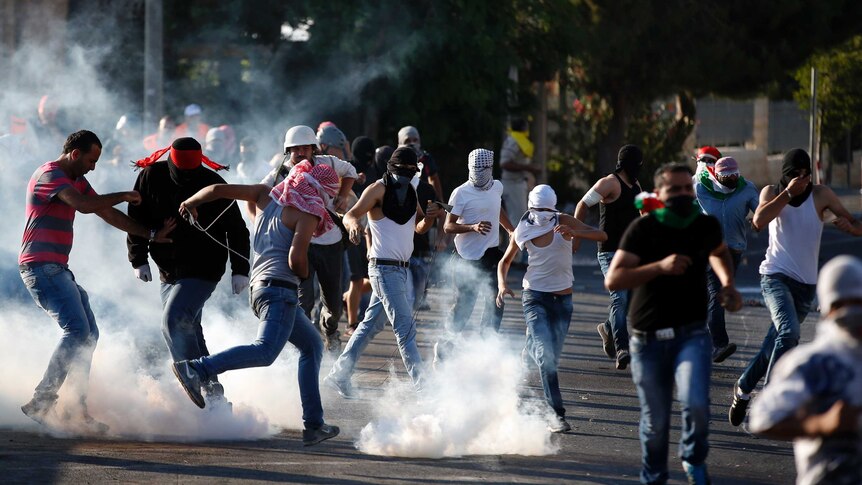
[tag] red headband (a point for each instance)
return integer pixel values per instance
(183, 159)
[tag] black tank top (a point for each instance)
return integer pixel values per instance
(615, 217)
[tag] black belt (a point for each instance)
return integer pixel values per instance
(277, 283)
(389, 262)
(670, 332)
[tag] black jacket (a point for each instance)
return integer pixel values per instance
(191, 254)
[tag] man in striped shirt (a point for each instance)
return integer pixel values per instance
(55, 193)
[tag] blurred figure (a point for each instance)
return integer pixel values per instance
(192, 126)
(815, 395)
(516, 163)
(48, 133)
(125, 144)
(56, 192)
(251, 167)
(706, 158)
(725, 194)
(161, 138)
(409, 136)
(215, 146)
(357, 254)
(334, 142)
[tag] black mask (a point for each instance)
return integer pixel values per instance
(681, 205)
(794, 161)
(629, 160)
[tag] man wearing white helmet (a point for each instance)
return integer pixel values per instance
(815, 395)
(325, 254)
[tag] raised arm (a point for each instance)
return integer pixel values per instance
(257, 194)
(845, 221)
(604, 189)
(88, 204)
(771, 202)
(371, 196)
(572, 227)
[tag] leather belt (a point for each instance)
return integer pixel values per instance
(389, 262)
(277, 283)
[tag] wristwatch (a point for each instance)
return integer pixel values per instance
(789, 195)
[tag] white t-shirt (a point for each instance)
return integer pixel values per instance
(343, 170)
(814, 376)
(472, 205)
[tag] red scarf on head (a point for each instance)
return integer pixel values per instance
(183, 159)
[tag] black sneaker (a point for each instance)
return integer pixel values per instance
(738, 408)
(623, 359)
(607, 341)
(38, 409)
(315, 436)
(696, 474)
(344, 389)
(190, 380)
(559, 425)
(719, 354)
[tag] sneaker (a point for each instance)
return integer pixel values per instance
(95, 426)
(719, 354)
(736, 414)
(623, 359)
(696, 474)
(38, 409)
(333, 342)
(344, 389)
(315, 436)
(607, 341)
(559, 425)
(190, 380)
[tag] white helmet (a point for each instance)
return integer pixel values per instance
(300, 135)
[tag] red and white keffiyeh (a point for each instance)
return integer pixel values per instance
(309, 188)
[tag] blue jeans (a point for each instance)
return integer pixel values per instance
(182, 306)
(389, 295)
(547, 316)
(685, 360)
(789, 302)
(54, 289)
(617, 308)
(715, 312)
(280, 322)
(418, 281)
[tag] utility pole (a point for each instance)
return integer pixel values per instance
(812, 128)
(153, 64)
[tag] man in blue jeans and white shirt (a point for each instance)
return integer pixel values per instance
(724, 194)
(794, 211)
(393, 215)
(663, 258)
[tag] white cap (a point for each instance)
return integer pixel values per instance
(542, 197)
(840, 279)
(193, 110)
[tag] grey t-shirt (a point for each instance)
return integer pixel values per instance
(271, 247)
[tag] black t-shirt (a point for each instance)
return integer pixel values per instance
(671, 301)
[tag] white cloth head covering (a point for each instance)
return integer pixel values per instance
(480, 165)
(535, 223)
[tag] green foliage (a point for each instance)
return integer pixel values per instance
(839, 88)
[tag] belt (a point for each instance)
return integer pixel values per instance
(277, 283)
(389, 262)
(670, 332)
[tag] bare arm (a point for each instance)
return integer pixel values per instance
(607, 188)
(340, 202)
(297, 257)
(771, 202)
(841, 418)
(573, 227)
(427, 219)
(845, 221)
(504, 221)
(434, 180)
(88, 204)
(126, 224)
(625, 271)
(722, 265)
(452, 226)
(370, 197)
(257, 194)
(503, 271)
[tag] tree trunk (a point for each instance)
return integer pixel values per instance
(610, 144)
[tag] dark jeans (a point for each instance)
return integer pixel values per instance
(684, 360)
(789, 302)
(470, 277)
(326, 262)
(715, 313)
(182, 309)
(615, 325)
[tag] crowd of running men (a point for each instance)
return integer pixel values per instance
(329, 212)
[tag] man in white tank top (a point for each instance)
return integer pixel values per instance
(794, 211)
(547, 236)
(392, 208)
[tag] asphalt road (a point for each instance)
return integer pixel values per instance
(602, 405)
